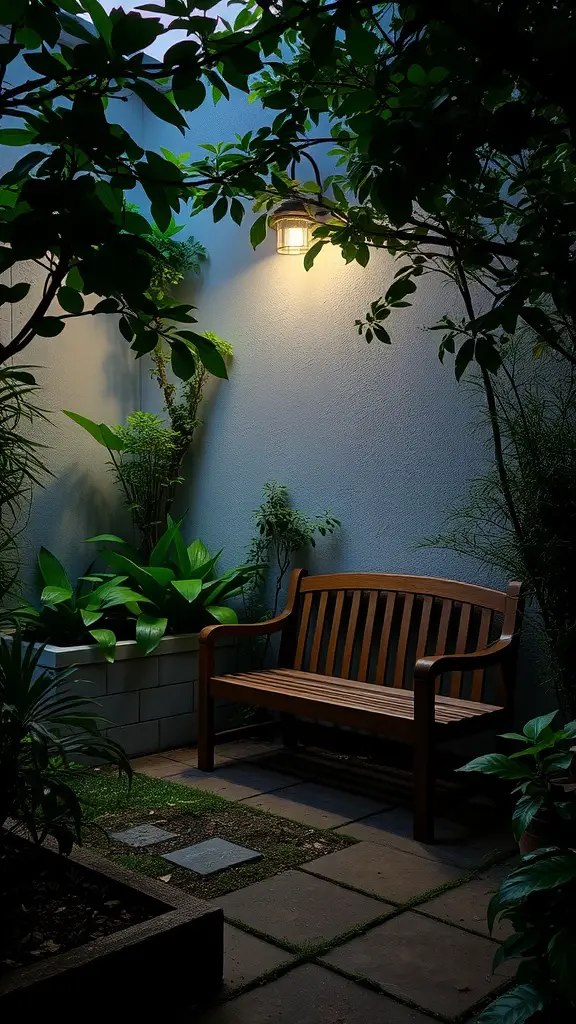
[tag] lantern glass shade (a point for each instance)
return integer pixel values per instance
(293, 230)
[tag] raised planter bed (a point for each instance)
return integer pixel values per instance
(173, 957)
(152, 700)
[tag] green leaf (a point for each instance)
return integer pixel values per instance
(514, 1007)
(11, 11)
(16, 136)
(133, 32)
(416, 75)
(198, 554)
(311, 255)
(237, 211)
(106, 642)
(56, 595)
(258, 230)
(90, 617)
(245, 60)
(208, 354)
(536, 726)
(525, 810)
(52, 571)
(221, 613)
(160, 550)
(189, 589)
(99, 17)
(497, 764)
(464, 356)
(70, 300)
(49, 327)
(220, 209)
(150, 586)
(547, 872)
(189, 96)
(93, 428)
(159, 104)
(183, 360)
(562, 959)
(121, 595)
(149, 632)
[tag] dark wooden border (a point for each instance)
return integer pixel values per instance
(171, 959)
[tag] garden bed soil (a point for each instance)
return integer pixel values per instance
(49, 905)
(283, 844)
(77, 924)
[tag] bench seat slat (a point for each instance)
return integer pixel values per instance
(329, 690)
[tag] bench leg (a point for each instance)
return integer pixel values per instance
(424, 791)
(288, 731)
(205, 730)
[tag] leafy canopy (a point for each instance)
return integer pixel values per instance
(457, 162)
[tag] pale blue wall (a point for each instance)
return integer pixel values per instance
(380, 434)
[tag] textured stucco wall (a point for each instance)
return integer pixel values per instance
(380, 434)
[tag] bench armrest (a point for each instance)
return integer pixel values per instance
(430, 667)
(210, 634)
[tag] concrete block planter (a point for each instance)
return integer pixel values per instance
(175, 955)
(152, 700)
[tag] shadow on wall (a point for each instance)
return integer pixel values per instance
(83, 510)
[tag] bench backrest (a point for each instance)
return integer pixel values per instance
(373, 627)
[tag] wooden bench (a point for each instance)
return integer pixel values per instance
(407, 657)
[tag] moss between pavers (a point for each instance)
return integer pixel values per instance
(194, 815)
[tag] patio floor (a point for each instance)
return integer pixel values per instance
(386, 928)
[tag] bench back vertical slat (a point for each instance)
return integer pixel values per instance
(403, 640)
(443, 634)
(367, 636)
(318, 630)
(460, 648)
(374, 627)
(486, 617)
(334, 633)
(424, 627)
(385, 639)
(350, 635)
(303, 633)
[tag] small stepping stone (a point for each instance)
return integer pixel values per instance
(143, 835)
(211, 856)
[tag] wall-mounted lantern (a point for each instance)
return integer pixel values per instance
(294, 225)
(293, 220)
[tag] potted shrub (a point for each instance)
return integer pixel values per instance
(144, 618)
(71, 922)
(538, 898)
(545, 813)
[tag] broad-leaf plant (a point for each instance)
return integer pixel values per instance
(71, 614)
(179, 585)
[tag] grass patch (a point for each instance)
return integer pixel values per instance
(103, 792)
(111, 805)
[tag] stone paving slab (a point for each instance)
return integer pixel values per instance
(185, 756)
(312, 995)
(383, 871)
(236, 780)
(315, 805)
(297, 908)
(142, 835)
(212, 856)
(468, 904)
(440, 968)
(247, 958)
(453, 845)
(156, 766)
